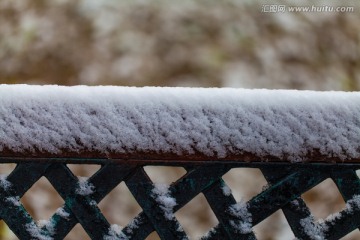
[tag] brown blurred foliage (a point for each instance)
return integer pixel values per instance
(171, 43)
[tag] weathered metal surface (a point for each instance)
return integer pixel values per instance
(286, 184)
(313, 155)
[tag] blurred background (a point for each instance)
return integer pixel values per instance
(203, 43)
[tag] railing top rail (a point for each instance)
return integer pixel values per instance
(189, 124)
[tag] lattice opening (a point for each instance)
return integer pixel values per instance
(7, 168)
(245, 183)
(354, 235)
(5, 232)
(83, 170)
(274, 227)
(164, 174)
(196, 217)
(153, 236)
(77, 232)
(324, 199)
(42, 200)
(119, 206)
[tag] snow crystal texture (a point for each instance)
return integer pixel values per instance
(285, 124)
(4, 183)
(244, 218)
(162, 195)
(36, 232)
(315, 230)
(63, 213)
(84, 187)
(115, 233)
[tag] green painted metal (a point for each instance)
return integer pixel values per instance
(286, 184)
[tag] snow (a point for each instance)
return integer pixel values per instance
(62, 213)
(134, 224)
(315, 230)
(163, 197)
(49, 225)
(211, 232)
(4, 183)
(84, 187)
(226, 190)
(354, 202)
(296, 203)
(214, 122)
(244, 222)
(115, 233)
(14, 200)
(36, 232)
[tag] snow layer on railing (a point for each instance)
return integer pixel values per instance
(285, 124)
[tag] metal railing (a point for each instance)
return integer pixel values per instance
(286, 183)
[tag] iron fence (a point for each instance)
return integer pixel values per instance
(286, 183)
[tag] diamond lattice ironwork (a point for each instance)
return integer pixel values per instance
(286, 184)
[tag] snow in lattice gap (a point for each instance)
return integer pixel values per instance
(215, 123)
(49, 225)
(315, 230)
(115, 233)
(15, 200)
(36, 232)
(133, 225)
(226, 190)
(162, 195)
(4, 183)
(209, 233)
(243, 222)
(84, 187)
(63, 213)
